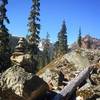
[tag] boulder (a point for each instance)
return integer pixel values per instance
(51, 77)
(15, 82)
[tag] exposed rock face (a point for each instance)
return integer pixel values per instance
(51, 77)
(70, 65)
(58, 76)
(10, 79)
(21, 84)
(78, 58)
(95, 43)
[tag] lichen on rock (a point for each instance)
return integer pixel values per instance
(14, 78)
(21, 84)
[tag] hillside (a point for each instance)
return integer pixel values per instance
(65, 68)
(95, 43)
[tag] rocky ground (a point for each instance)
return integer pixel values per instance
(16, 83)
(60, 72)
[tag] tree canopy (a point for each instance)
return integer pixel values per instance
(62, 39)
(34, 26)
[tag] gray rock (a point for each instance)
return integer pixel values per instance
(17, 81)
(14, 78)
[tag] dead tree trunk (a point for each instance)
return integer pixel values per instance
(73, 84)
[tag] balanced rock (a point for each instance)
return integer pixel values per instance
(21, 45)
(19, 52)
(21, 58)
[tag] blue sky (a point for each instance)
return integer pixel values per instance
(76, 13)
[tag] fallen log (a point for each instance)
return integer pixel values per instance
(73, 84)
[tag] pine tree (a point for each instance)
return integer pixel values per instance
(41, 61)
(4, 37)
(3, 16)
(46, 50)
(79, 38)
(56, 48)
(62, 39)
(34, 27)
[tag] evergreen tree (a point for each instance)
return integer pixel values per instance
(41, 61)
(34, 27)
(79, 38)
(3, 16)
(56, 48)
(46, 50)
(4, 37)
(62, 39)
